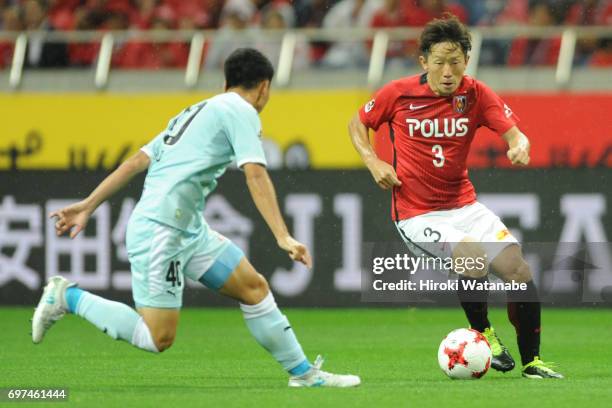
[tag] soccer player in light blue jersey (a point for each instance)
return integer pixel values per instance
(168, 238)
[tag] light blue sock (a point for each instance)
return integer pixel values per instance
(273, 332)
(113, 318)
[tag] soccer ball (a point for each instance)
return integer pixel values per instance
(464, 354)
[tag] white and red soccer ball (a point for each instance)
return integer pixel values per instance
(464, 354)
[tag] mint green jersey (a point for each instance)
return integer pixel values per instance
(190, 155)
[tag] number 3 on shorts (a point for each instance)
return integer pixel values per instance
(174, 273)
(432, 234)
(438, 160)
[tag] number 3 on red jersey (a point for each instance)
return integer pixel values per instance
(438, 152)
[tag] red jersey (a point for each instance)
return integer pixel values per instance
(431, 137)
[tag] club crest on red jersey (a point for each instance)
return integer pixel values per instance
(459, 103)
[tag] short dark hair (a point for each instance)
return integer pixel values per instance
(446, 29)
(247, 68)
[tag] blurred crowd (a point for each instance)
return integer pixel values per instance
(253, 17)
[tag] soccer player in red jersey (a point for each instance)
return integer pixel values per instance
(432, 120)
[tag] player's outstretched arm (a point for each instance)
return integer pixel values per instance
(264, 196)
(518, 146)
(74, 217)
(383, 173)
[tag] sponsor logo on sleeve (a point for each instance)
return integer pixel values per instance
(507, 111)
(369, 106)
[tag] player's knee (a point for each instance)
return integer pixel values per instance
(475, 273)
(254, 290)
(519, 271)
(164, 340)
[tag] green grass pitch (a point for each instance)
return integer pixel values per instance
(215, 362)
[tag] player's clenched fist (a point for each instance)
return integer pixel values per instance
(72, 218)
(384, 174)
(296, 250)
(519, 155)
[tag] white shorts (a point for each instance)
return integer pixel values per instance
(436, 233)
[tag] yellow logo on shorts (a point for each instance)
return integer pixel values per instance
(502, 234)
